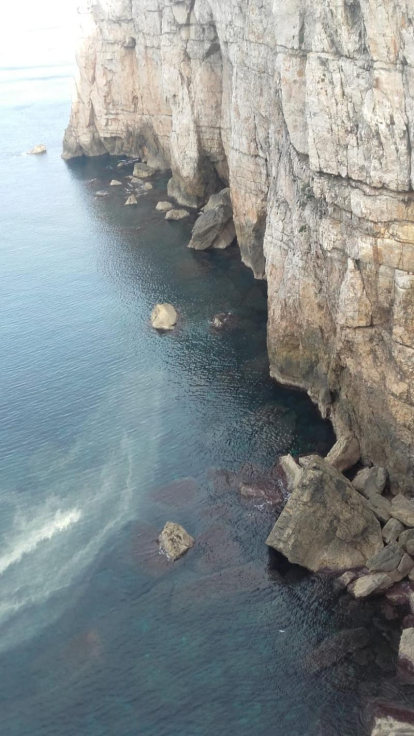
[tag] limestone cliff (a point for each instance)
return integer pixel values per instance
(305, 108)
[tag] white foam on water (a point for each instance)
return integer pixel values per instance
(27, 542)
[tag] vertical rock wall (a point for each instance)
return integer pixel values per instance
(306, 109)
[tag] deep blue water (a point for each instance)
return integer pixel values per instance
(107, 431)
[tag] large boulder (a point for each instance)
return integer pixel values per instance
(387, 559)
(143, 171)
(345, 452)
(326, 525)
(164, 317)
(370, 481)
(214, 228)
(371, 584)
(174, 541)
(177, 215)
(402, 509)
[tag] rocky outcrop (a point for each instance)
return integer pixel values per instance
(325, 524)
(164, 317)
(40, 148)
(174, 541)
(305, 110)
(215, 227)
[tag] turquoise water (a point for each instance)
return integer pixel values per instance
(107, 431)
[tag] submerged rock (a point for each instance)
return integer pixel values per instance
(223, 320)
(174, 541)
(325, 524)
(164, 207)
(101, 193)
(40, 148)
(336, 647)
(115, 183)
(147, 187)
(164, 317)
(177, 215)
(214, 227)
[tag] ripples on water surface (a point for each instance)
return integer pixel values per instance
(108, 430)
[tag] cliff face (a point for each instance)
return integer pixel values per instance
(306, 109)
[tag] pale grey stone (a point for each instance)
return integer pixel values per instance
(164, 317)
(392, 530)
(403, 509)
(386, 560)
(174, 541)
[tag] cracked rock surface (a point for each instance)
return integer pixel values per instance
(305, 110)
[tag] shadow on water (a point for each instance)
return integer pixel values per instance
(154, 428)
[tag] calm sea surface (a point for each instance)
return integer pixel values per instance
(107, 431)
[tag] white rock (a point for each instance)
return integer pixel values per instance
(164, 317)
(40, 148)
(174, 541)
(164, 207)
(177, 215)
(131, 200)
(115, 183)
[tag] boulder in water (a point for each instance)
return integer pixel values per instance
(326, 524)
(143, 171)
(40, 148)
(174, 541)
(214, 227)
(164, 317)
(164, 207)
(177, 215)
(115, 183)
(131, 200)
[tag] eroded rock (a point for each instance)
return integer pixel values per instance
(386, 560)
(164, 317)
(143, 171)
(392, 530)
(177, 215)
(406, 650)
(174, 541)
(367, 585)
(402, 509)
(345, 453)
(214, 228)
(40, 148)
(325, 524)
(164, 207)
(131, 200)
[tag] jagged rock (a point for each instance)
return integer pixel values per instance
(40, 148)
(214, 228)
(367, 585)
(406, 650)
(325, 523)
(403, 510)
(345, 453)
(406, 540)
(345, 579)
(392, 530)
(380, 506)
(370, 481)
(386, 560)
(164, 317)
(174, 541)
(164, 207)
(132, 200)
(406, 565)
(147, 187)
(143, 171)
(292, 471)
(336, 647)
(115, 183)
(392, 726)
(177, 215)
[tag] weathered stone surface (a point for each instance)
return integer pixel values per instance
(305, 110)
(403, 510)
(392, 530)
(325, 523)
(147, 187)
(370, 481)
(40, 148)
(386, 560)
(406, 540)
(406, 650)
(292, 471)
(367, 585)
(406, 564)
(380, 506)
(174, 541)
(214, 228)
(164, 207)
(143, 171)
(115, 183)
(177, 215)
(345, 453)
(131, 200)
(164, 317)
(392, 726)
(345, 579)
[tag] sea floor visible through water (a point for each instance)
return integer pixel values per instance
(108, 431)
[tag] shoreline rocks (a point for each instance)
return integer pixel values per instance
(177, 215)
(174, 541)
(37, 150)
(214, 228)
(325, 524)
